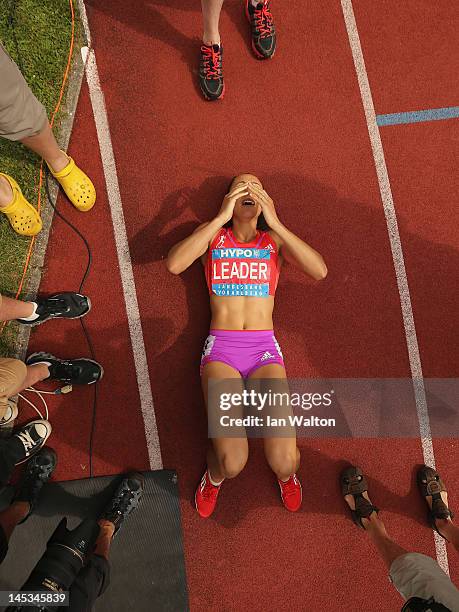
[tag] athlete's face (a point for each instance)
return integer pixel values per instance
(246, 207)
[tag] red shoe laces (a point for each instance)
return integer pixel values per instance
(290, 487)
(264, 20)
(209, 491)
(212, 66)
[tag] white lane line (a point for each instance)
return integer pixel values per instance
(85, 22)
(122, 248)
(397, 253)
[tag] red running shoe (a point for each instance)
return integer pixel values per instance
(264, 37)
(291, 493)
(211, 72)
(206, 496)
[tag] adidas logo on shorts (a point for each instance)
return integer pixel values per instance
(267, 355)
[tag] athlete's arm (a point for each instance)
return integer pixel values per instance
(183, 254)
(293, 249)
(300, 254)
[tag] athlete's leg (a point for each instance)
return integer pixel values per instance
(281, 453)
(226, 457)
(280, 446)
(211, 10)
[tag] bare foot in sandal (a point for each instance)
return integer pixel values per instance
(354, 488)
(350, 500)
(433, 490)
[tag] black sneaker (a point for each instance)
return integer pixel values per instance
(37, 472)
(70, 371)
(211, 72)
(125, 500)
(28, 440)
(263, 30)
(66, 305)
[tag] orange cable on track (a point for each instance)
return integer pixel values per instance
(40, 180)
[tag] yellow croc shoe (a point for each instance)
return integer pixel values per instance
(77, 186)
(24, 218)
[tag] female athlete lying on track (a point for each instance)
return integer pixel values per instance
(242, 263)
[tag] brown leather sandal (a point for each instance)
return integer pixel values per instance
(430, 483)
(353, 482)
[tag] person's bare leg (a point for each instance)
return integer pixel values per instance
(283, 456)
(17, 376)
(449, 530)
(226, 457)
(376, 530)
(6, 193)
(13, 515)
(211, 10)
(446, 527)
(44, 144)
(281, 452)
(15, 309)
(387, 548)
(104, 539)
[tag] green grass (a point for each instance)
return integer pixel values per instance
(36, 33)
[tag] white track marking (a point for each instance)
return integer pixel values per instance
(85, 22)
(397, 253)
(122, 247)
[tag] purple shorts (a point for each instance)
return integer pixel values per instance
(245, 351)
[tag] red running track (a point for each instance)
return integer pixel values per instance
(298, 123)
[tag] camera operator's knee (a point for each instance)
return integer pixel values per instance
(12, 377)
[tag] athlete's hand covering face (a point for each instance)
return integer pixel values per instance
(267, 205)
(229, 201)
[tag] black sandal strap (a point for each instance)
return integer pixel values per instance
(353, 482)
(430, 484)
(363, 509)
(439, 509)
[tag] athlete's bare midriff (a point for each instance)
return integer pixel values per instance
(241, 312)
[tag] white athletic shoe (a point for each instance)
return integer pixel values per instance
(10, 414)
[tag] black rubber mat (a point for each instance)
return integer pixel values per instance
(147, 562)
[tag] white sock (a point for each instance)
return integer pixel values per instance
(46, 363)
(255, 3)
(34, 315)
(216, 484)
